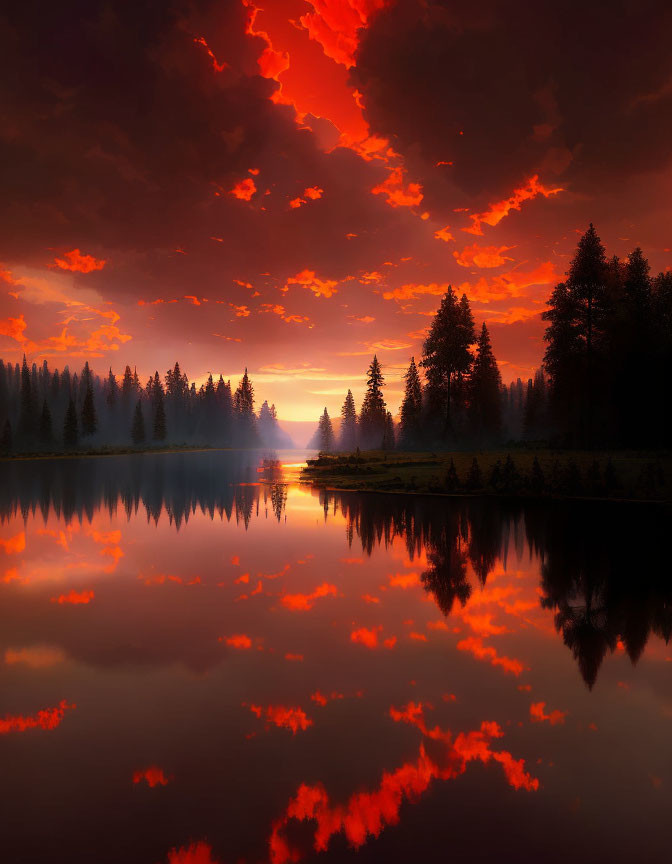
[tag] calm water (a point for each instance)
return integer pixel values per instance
(203, 661)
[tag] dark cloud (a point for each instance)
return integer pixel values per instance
(119, 133)
(575, 91)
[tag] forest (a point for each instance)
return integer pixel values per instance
(605, 372)
(46, 411)
(606, 369)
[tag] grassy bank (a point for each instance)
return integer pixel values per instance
(518, 472)
(105, 451)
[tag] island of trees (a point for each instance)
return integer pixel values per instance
(603, 383)
(44, 410)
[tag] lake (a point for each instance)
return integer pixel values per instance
(202, 660)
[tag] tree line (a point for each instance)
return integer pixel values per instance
(51, 410)
(605, 372)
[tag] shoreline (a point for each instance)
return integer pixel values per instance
(513, 473)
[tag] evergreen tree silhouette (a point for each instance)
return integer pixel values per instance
(243, 404)
(373, 415)
(485, 410)
(111, 390)
(325, 433)
(411, 409)
(159, 428)
(89, 417)
(70, 426)
(446, 358)
(46, 431)
(27, 407)
(388, 434)
(348, 431)
(138, 427)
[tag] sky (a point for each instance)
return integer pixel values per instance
(291, 187)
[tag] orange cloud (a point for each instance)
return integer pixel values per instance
(152, 776)
(538, 715)
(244, 189)
(287, 718)
(319, 287)
(271, 62)
(294, 658)
(47, 718)
(444, 234)
(77, 262)
(403, 580)
(311, 193)
(14, 544)
(13, 327)
(239, 640)
(482, 256)
(307, 601)
(281, 312)
(336, 25)
(511, 284)
(367, 813)
(75, 598)
(487, 652)
(218, 67)
(398, 194)
(366, 636)
(496, 212)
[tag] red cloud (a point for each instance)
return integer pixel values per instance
(487, 652)
(79, 263)
(286, 718)
(240, 641)
(76, 598)
(319, 287)
(152, 776)
(538, 715)
(306, 601)
(496, 212)
(244, 189)
(396, 193)
(14, 544)
(482, 256)
(366, 814)
(47, 718)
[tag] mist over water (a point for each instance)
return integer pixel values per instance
(202, 660)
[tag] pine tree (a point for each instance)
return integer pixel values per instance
(89, 418)
(138, 427)
(348, 431)
(388, 434)
(373, 413)
(111, 390)
(485, 417)
(411, 409)
(127, 386)
(576, 335)
(27, 407)
(159, 427)
(243, 403)
(46, 431)
(70, 426)
(446, 356)
(325, 433)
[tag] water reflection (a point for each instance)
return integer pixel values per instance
(251, 671)
(603, 568)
